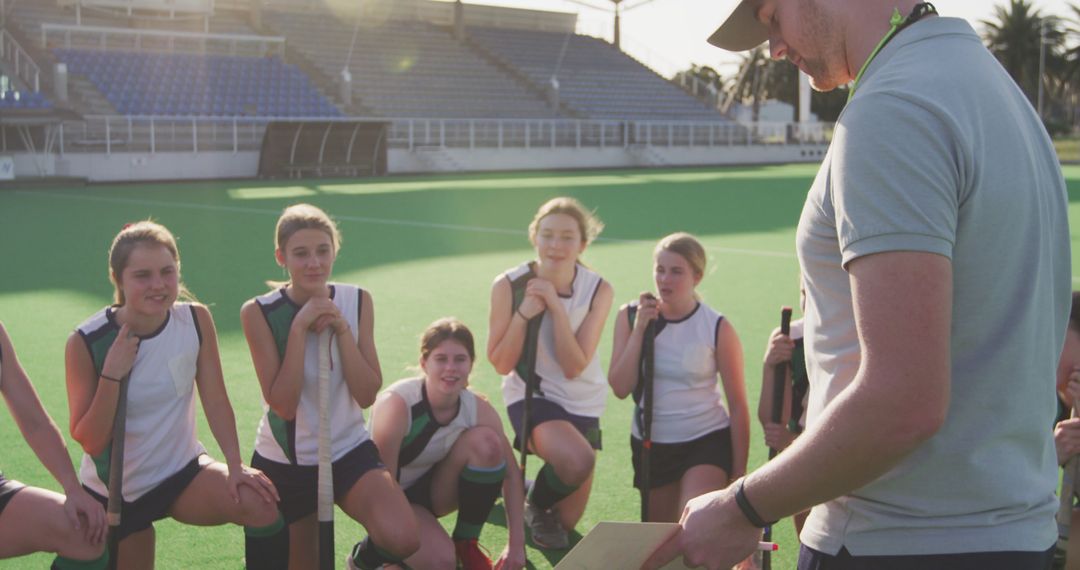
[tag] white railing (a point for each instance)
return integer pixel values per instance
(152, 134)
(25, 68)
(168, 6)
(564, 133)
(264, 44)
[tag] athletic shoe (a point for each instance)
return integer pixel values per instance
(350, 565)
(469, 555)
(545, 528)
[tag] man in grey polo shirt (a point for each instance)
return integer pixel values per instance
(934, 246)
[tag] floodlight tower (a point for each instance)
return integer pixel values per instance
(618, 41)
(618, 10)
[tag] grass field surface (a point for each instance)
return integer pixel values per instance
(426, 247)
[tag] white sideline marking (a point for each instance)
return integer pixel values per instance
(365, 219)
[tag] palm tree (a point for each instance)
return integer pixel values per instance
(1016, 35)
(1069, 76)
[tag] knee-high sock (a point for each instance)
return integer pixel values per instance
(367, 555)
(267, 547)
(478, 487)
(549, 489)
(99, 563)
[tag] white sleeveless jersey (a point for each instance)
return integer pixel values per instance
(160, 432)
(296, 441)
(688, 402)
(427, 442)
(585, 395)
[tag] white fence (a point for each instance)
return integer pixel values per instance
(67, 36)
(152, 134)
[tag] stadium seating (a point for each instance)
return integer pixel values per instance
(148, 83)
(23, 100)
(410, 68)
(595, 79)
(399, 68)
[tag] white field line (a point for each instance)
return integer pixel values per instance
(363, 219)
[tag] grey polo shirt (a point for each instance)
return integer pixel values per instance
(940, 152)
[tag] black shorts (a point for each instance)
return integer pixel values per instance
(419, 493)
(545, 411)
(141, 513)
(669, 461)
(810, 559)
(8, 489)
(297, 485)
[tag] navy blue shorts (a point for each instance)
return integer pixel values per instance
(545, 411)
(668, 462)
(140, 514)
(419, 493)
(8, 488)
(297, 485)
(810, 559)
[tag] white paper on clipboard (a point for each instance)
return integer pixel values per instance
(622, 545)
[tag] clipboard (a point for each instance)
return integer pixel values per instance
(620, 545)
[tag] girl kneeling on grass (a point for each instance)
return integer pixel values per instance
(697, 445)
(568, 398)
(37, 520)
(282, 329)
(163, 349)
(447, 446)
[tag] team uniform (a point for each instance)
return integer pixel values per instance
(580, 400)
(427, 441)
(690, 425)
(287, 450)
(161, 452)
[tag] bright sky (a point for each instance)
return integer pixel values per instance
(670, 34)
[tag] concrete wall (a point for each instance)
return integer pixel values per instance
(402, 161)
(125, 166)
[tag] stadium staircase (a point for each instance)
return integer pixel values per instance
(408, 69)
(522, 79)
(596, 80)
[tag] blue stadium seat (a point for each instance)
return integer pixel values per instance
(185, 84)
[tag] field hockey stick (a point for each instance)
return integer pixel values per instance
(779, 378)
(1065, 507)
(116, 474)
(647, 367)
(530, 346)
(326, 475)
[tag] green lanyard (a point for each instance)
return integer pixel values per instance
(896, 23)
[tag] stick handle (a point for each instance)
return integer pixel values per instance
(647, 367)
(530, 346)
(326, 474)
(779, 376)
(116, 473)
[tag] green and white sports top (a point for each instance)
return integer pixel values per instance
(296, 442)
(160, 438)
